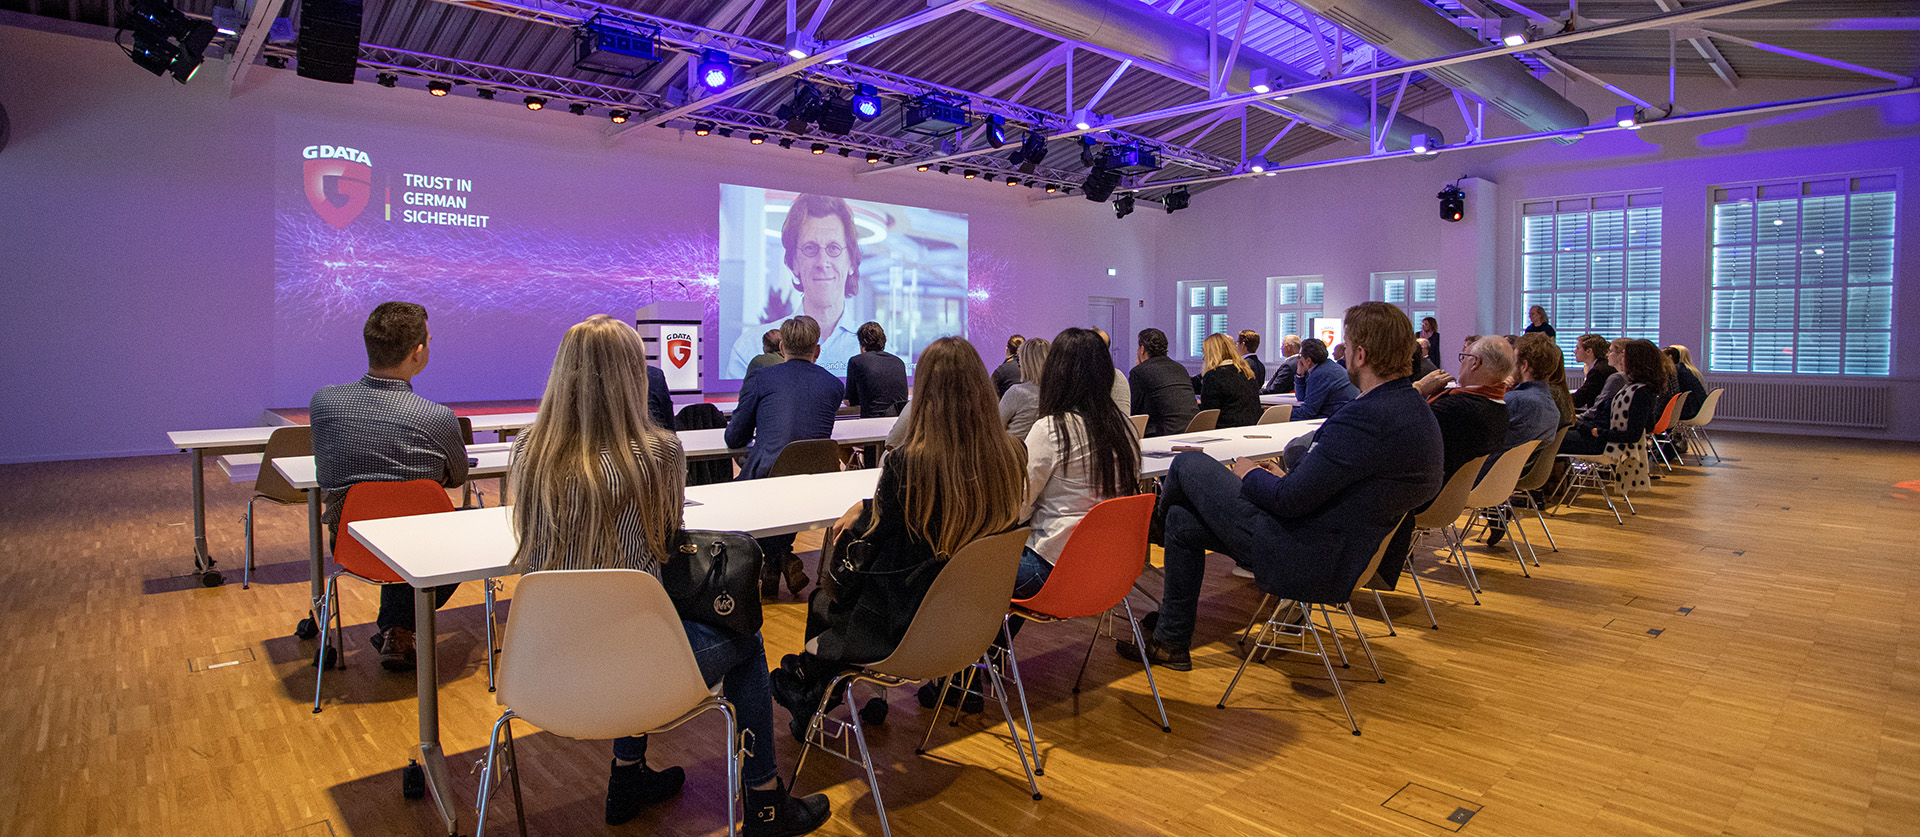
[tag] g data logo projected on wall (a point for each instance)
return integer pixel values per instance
(339, 182)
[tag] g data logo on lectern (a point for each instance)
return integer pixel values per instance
(679, 349)
(339, 182)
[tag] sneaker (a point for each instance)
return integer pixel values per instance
(633, 787)
(396, 649)
(772, 813)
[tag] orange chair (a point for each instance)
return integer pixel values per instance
(1103, 558)
(371, 501)
(1665, 424)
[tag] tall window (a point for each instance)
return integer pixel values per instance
(1803, 277)
(1413, 290)
(1204, 311)
(1594, 263)
(1294, 302)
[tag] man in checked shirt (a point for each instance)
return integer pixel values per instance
(376, 430)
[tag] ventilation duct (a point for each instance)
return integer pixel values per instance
(1177, 49)
(1410, 30)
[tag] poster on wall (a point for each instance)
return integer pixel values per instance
(1330, 330)
(843, 262)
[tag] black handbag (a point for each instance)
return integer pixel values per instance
(714, 579)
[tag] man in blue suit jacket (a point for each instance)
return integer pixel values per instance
(783, 403)
(1324, 387)
(1307, 534)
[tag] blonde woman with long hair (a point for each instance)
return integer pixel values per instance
(958, 476)
(1687, 379)
(598, 485)
(1021, 403)
(1226, 383)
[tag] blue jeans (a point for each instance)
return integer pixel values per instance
(740, 664)
(1205, 512)
(1031, 576)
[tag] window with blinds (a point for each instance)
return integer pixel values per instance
(1413, 290)
(1593, 263)
(1204, 311)
(1293, 301)
(1803, 277)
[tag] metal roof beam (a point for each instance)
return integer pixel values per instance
(254, 38)
(1707, 50)
(1808, 56)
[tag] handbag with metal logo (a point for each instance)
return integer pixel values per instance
(714, 579)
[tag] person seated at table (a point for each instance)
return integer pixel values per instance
(1621, 435)
(1247, 345)
(876, 378)
(1308, 532)
(769, 352)
(1324, 387)
(786, 402)
(1591, 352)
(1533, 411)
(1340, 355)
(958, 477)
(1423, 364)
(597, 485)
(1596, 410)
(377, 430)
(1159, 387)
(659, 399)
(1021, 403)
(1686, 379)
(1122, 389)
(1008, 372)
(1227, 384)
(1283, 375)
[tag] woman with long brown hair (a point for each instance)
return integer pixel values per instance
(598, 485)
(1227, 383)
(1621, 433)
(956, 477)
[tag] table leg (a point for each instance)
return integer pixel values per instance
(427, 681)
(317, 569)
(202, 562)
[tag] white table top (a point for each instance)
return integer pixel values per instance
(1280, 398)
(257, 436)
(1260, 440)
(434, 549)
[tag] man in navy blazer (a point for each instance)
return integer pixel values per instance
(783, 403)
(1324, 387)
(659, 398)
(1309, 533)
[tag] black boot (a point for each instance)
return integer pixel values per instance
(633, 787)
(772, 813)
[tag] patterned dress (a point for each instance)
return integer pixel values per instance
(1630, 469)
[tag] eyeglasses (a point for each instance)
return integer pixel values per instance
(1465, 355)
(812, 251)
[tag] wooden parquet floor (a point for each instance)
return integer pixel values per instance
(1781, 694)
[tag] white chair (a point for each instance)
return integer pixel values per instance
(595, 654)
(1694, 430)
(1440, 516)
(1535, 479)
(1277, 414)
(1489, 498)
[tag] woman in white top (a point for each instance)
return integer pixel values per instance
(1021, 403)
(1080, 451)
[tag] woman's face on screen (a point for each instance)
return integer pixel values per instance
(821, 263)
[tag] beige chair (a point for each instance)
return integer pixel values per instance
(272, 486)
(1488, 499)
(1277, 414)
(1595, 471)
(1204, 420)
(1440, 516)
(1694, 430)
(1139, 426)
(807, 456)
(595, 654)
(1535, 479)
(1294, 619)
(952, 631)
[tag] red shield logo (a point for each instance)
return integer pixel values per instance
(338, 189)
(679, 352)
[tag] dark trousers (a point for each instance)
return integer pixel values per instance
(396, 604)
(775, 551)
(1204, 512)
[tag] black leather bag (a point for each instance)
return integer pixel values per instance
(714, 579)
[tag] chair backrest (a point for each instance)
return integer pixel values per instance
(293, 440)
(1541, 470)
(962, 612)
(597, 654)
(1494, 488)
(1102, 559)
(1706, 409)
(1139, 426)
(700, 416)
(1277, 414)
(466, 429)
(1204, 420)
(1452, 499)
(1379, 554)
(1666, 415)
(807, 456)
(376, 500)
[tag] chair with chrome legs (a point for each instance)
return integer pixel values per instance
(1488, 501)
(951, 631)
(1292, 618)
(1694, 430)
(272, 486)
(1535, 479)
(1440, 516)
(636, 676)
(1659, 434)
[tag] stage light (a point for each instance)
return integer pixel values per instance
(439, 88)
(946, 170)
(1261, 80)
(1083, 119)
(1052, 188)
(970, 174)
(386, 79)
(866, 103)
(803, 109)
(1175, 200)
(578, 108)
(798, 45)
(786, 142)
(757, 138)
(1129, 160)
(1453, 204)
(922, 167)
(1626, 116)
(935, 114)
(835, 116)
(1011, 181)
(535, 102)
(701, 129)
(619, 117)
(724, 131)
(989, 177)
(1123, 207)
(1513, 31)
(846, 152)
(1100, 183)
(1033, 149)
(1089, 151)
(1426, 144)
(165, 41)
(716, 70)
(626, 49)
(873, 157)
(1258, 164)
(819, 148)
(996, 130)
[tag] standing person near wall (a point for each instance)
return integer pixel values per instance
(1537, 322)
(1430, 332)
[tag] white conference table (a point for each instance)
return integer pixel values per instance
(437, 549)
